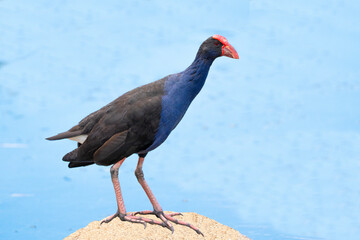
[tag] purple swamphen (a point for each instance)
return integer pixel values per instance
(138, 122)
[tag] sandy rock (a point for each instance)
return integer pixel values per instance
(119, 230)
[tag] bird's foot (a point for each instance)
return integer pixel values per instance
(130, 217)
(169, 217)
(147, 212)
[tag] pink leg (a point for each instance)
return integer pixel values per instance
(121, 212)
(157, 208)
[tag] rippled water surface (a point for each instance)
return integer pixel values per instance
(270, 146)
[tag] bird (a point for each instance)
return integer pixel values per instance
(138, 122)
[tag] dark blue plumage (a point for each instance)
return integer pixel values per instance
(179, 91)
(138, 122)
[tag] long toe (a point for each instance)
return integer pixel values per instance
(169, 217)
(177, 221)
(130, 217)
(147, 212)
(110, 218)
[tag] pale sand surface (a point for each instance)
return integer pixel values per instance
(116, 230)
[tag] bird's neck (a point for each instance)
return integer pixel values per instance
(186, 85)
(197, 72)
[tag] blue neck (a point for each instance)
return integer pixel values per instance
(197, 72)
(180, 89)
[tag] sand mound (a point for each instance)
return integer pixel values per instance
(119, 230)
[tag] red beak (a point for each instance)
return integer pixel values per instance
(227, 49)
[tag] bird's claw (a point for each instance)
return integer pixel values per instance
(126, 217)
(157, 213)
(167, 218)
(198, 232)
(110, 218)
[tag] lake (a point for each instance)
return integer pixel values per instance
(269, 147)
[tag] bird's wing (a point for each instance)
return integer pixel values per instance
(137, 113)
(109, 148)
(119, 105)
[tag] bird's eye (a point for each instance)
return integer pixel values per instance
(216, 44)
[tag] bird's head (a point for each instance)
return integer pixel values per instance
(217, 46)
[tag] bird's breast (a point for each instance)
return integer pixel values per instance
(175, 101)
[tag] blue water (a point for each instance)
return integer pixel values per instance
(270, 146)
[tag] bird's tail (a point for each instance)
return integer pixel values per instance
(67, 134)
(73, 160)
